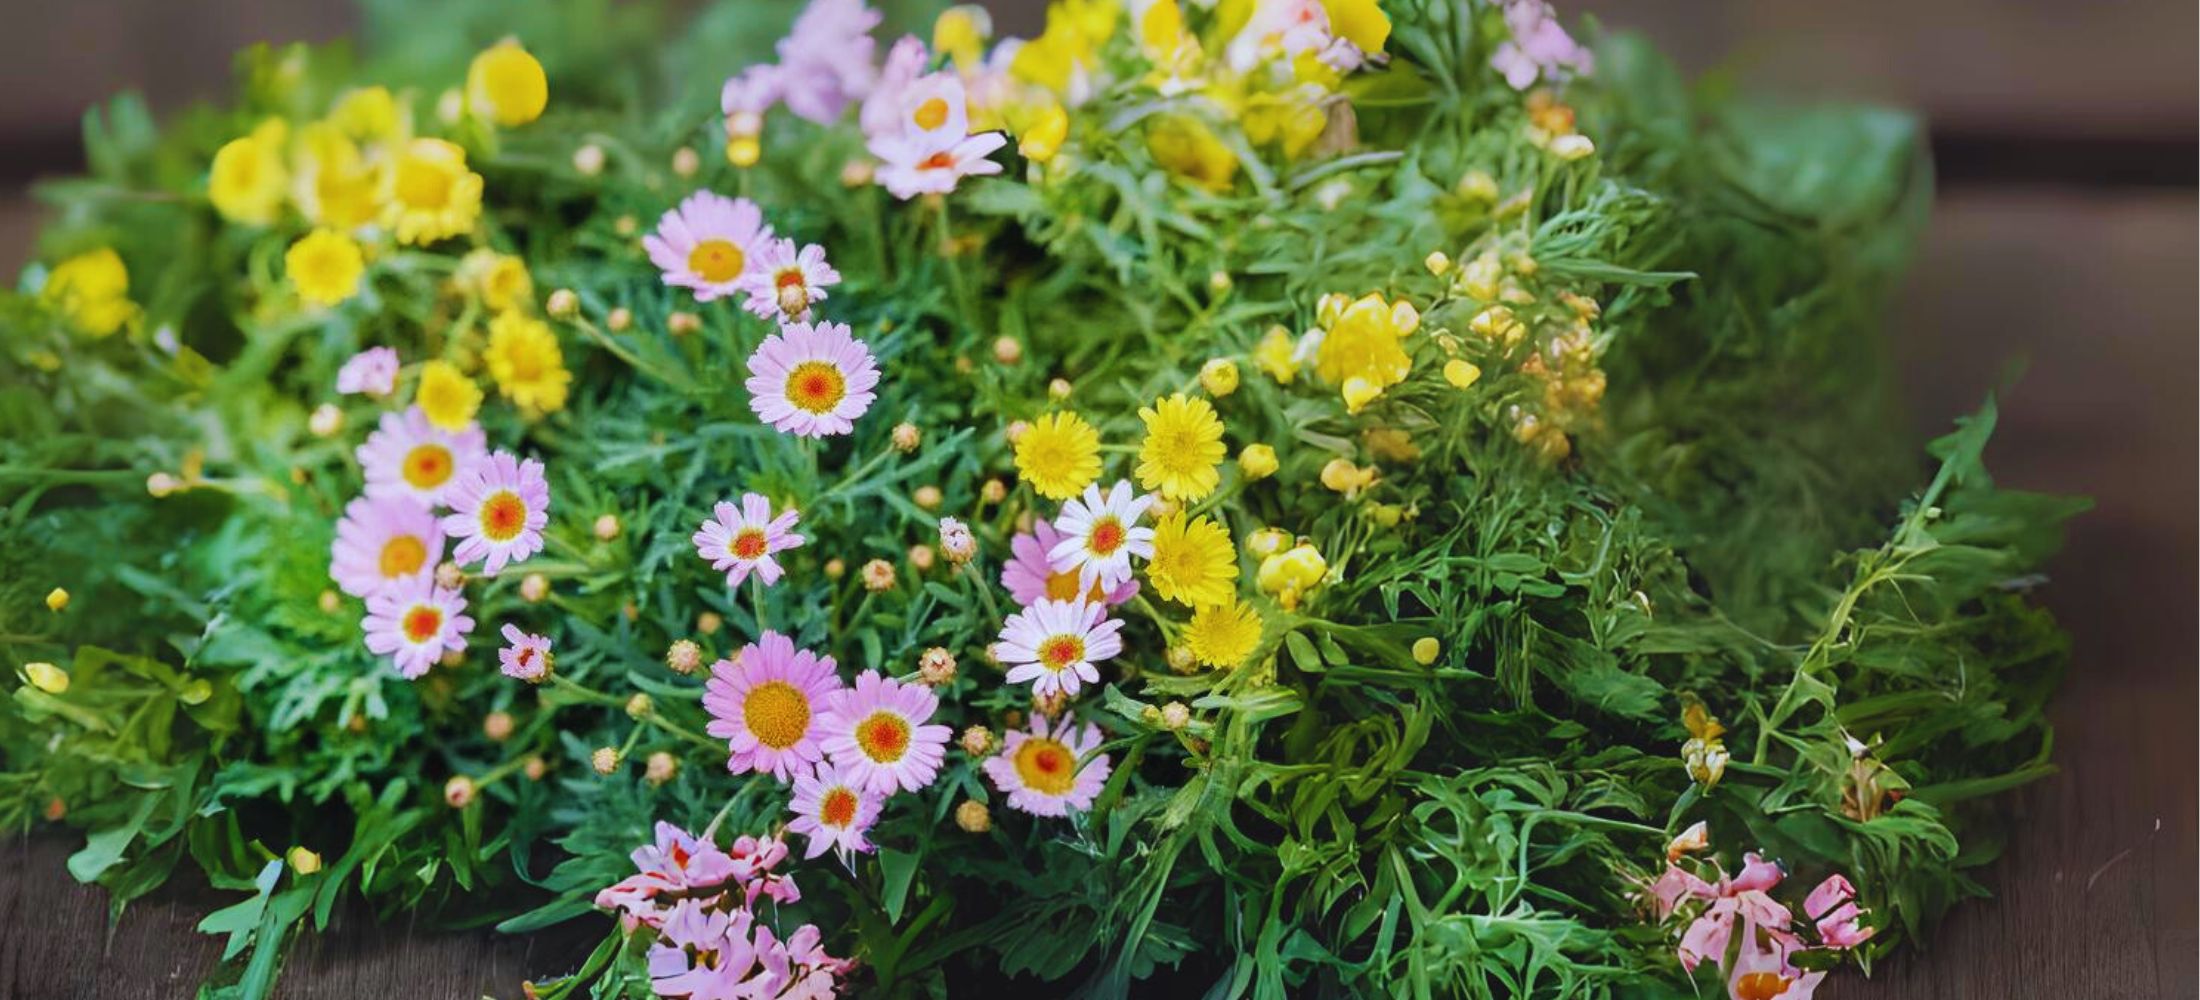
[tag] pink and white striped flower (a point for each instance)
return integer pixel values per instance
(526, 656)
(408, 456)
(416, 622)
(1054, 644)
(783, 282)
(382, 542)
(498, 512)
(834, 810)
(811, 381)
(1045, 771)
(372, 371)
(742, 540)
(1100, 534)
(766, 704)
(707, 243)
(877, 731)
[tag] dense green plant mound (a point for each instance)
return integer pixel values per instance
(1515, 438)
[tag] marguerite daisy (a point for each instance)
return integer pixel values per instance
(1030, 573)
(1054, 644)
(408, 456)
(876, 730)
(415, 622)
(833, 810)
(1101, 533)
(498, 512)
(706, 243)
(766, 703)
(528, 656)
(812, 381)
(1040, 772)
(383, 541)
(740, 540)
(785, 283)
(914, 165)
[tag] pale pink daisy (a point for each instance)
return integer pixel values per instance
(741, 540)
(931, 110)
(408, 456)
(372, 371)
(825, 60)
(1030, 575)
(527, 657)
(877, 731)
(1054, 644)
(383, 541)
(785, 283)
(498, 512)
(706, 243)
(882, 110)
(923, 164)
(766, 703)
(1100, 534)
(679, 864)
(415, 622)
(1041, 771)
(834, 810)
(811, 381)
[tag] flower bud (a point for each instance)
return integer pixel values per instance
(660, 768)
(1219, 376)
(682, 323)
(1437, 263)
(907, 437)
(326, 420)
(619, 319)
(1426, 649)
(709, 622)
(497, 726)
(57, 600)
(878, 574)
(534, 767)
(994, 491)
(835, 568)
(922, 557)
(605, 760)
(46, 677)
(562, 304)
(683, 656)
(686, 161)
(936, 667)
(1008, 350)
(303, 861)
(330, 602)
(607, 527)
(1257, 461)
(534, 587)
(956, 541)
(927, 497)
(1175, 716)
(588, 160)
(459, 792)
(640, 706)
(973, 816)
(977, 741)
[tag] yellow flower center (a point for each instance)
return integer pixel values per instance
(1046, 766)
(422, 185)
(1059, 651)
(931, 114)
(748, 544)
(816, 386)
(422, 622)
(427, 466)
(503, 516)
(1107, 536)
(717, 261)
(403, 555)
(883, 737)
(838, 808)
(778, 713)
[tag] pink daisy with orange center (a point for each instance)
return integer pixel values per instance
(877, 731)
(1100, 534)
(1045, 772)
(526, 656)
(707, 243)
(1030, 576)
(1054, 644)
(384, 541)
(785, 283)
(498, 512)
(415, 622)
(766, 703)
(811, 381)
(742, 540)
(408, 456)
(834, 810)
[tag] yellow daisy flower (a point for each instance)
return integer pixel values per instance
(370, 115)
(1223, 635)
(1059, 455)
(447, 397)
(331, 182)
(429, 193)
(1182, 449)
(92, 290)
(500, 280)
(506, 85)
(324, 266)
(1193, 562)
(248, 179)
(524, 360)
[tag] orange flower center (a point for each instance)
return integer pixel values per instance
(937, 161)
(717, 261)
(1107, 536)
(422, 622)
(1760, 986)
(931, 114)
(883, 737)
(427, 466)
(778, 713)
(839, 807)
(788, 277)
(503, 516)
(1046, 766)
(403, 555)
(748, 543)
(816, 386)
(1058, 652)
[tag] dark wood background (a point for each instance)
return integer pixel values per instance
(2064, 235)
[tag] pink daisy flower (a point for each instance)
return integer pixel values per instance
(414, 622)
(1030, 575)
(923, 164)
(705, 244)
(1039, 770)
(498, 512)
(876, 731)
(825, 60)
(528, 656)
(383, 541)
(678, 864)
(882, 110)
(740, 540)
(766, 702)
(1054, 644)
(1100, 534)
(372, 371)
(811, 381)
(785, 283)
(833, 809)
(408, 456)
(931, 110)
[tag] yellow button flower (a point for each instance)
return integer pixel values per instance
(248, 180)
(429, 194)
(524, 359)
(447, 397)
(1291, 573)
(92, 291)
(324, 267)
(506, 85)
(1257, 461)
(1059, 455)
(1183, 446)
